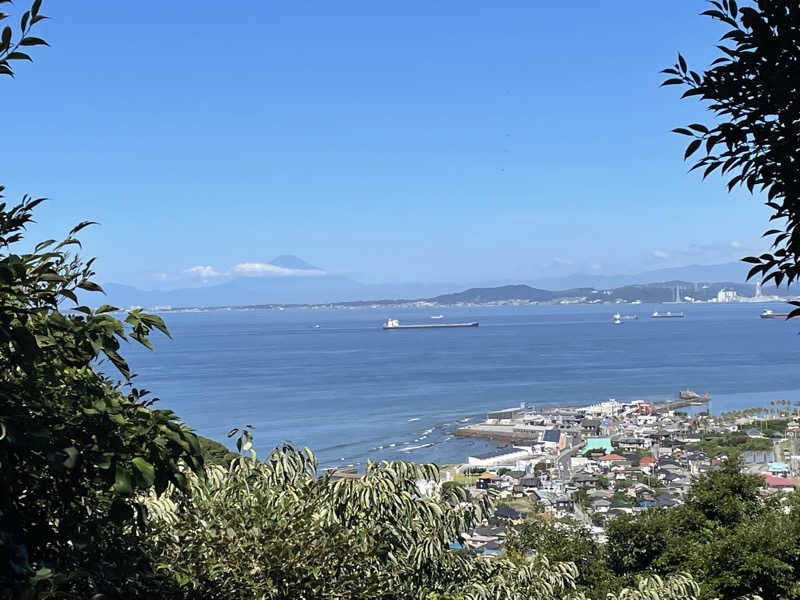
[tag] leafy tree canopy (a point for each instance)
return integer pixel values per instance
(753, 89)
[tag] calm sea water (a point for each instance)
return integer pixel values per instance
(351, 391)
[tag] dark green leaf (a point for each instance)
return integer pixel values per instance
(90, 286)
(145, 469)
(122, 481)
(81, 225)
(33, 41)
(691, 148)
(72, 457)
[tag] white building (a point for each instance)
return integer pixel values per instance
(727, 296)
(506, 457)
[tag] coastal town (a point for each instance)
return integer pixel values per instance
(587, 465)
(594, 463)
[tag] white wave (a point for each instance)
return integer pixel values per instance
(414, 419)
(410, 448)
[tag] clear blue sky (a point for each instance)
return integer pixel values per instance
(403, 141)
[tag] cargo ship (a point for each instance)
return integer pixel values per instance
(395, 324)
(768, 314)
(667, 315)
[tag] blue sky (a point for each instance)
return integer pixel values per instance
(404, 141)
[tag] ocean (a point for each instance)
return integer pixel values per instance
(352, 392)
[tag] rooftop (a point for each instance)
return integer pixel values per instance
(778, 466)
(780, 482)
(551, 435)
(612, 457)
(599, 443)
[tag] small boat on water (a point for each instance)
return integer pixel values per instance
(395, 324)
(768, 314)
(437, 317)
(619, 317)
(667, 315)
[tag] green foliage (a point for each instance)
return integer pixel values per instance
(622, 484)
(652, 482)
(732, 444)
(11, 49)
(276, 530)
(581, 496)
(474, 470)
(76, 448)
(726, 535)
(215, 453)
(752, 89)
(566, 542)
(771, 426)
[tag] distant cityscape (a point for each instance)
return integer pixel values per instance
(676, 292)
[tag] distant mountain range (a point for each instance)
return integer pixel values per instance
(668, 291)
(298, 282)
(295, 281)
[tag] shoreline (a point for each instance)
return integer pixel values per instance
(505, 432)
(426, 304)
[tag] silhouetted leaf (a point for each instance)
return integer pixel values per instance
(691, 148)
(33, 41)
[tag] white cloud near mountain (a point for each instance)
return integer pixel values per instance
(251, 269)
(659, 254)
(205, 271)
(259, 269)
